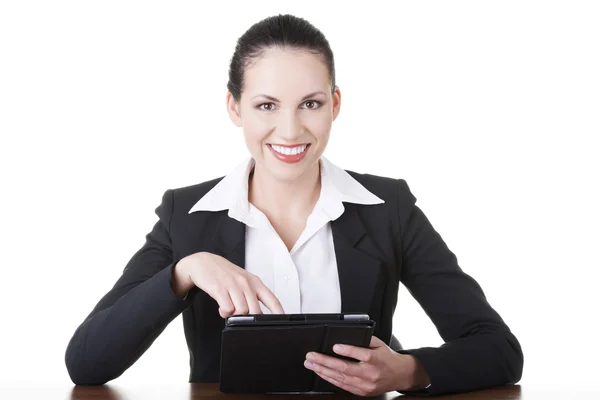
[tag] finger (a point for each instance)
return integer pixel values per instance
(268, 299)
(252, 301)
(358, 353)
(224, 313)
(344, 367)
(337, 375)
(345, 386)
(239, 301)
(376, 342)
(226, 307)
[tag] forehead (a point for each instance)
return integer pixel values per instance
(281, 71)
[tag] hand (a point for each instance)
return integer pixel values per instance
(379, 370)
(236, 290)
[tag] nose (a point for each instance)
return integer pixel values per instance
(290, 126)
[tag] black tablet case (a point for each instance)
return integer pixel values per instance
(268, 355)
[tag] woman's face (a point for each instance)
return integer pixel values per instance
(299, 112)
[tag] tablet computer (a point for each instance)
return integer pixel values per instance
(265, 353)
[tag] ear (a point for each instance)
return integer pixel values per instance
(337, 102)
(233, 109)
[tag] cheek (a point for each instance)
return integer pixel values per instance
(253, 140)
(254, 137)
(319, 126)
(256, 128)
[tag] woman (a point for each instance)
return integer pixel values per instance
(289, 231)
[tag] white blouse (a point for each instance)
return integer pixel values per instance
(305, 279)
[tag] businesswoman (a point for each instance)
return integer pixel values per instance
(288, 231)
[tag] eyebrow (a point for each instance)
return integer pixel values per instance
(274, 99)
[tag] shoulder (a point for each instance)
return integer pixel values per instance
(182, 199)
(395, 192)
(195, 191)
(389, 189)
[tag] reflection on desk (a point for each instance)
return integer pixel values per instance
(211, 390)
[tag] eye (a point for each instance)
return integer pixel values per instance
(263, 109)
(313, 102)
(271, 106)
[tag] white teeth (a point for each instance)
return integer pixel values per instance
(288, 151)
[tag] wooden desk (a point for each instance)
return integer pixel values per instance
(187, 391)
(208, 391)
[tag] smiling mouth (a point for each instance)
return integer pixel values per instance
(289, 150)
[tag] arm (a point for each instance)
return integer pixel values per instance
(128, 319)
(479, 350)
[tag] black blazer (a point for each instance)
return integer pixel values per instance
(376, 246)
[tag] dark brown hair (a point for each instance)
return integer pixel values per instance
(285, 31)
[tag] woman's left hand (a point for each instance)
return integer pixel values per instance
(379, 370)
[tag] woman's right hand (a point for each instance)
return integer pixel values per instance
(236, 290)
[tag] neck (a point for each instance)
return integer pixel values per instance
(276, 198)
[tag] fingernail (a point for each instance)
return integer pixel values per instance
(338, 348)
(310, 356)
(308, 364)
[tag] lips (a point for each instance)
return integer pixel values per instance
(290, 159)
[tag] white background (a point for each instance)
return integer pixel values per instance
(489, 110)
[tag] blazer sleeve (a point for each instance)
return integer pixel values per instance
(128, 319)
(479, 350)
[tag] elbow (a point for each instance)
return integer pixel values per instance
(506, 356)
(82, 371)
(513, 358)
(87, 380)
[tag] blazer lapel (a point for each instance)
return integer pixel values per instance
(358, 259)
(359, 262)
(230, 238)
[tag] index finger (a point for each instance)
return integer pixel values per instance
(269, 300)
(253, 303)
